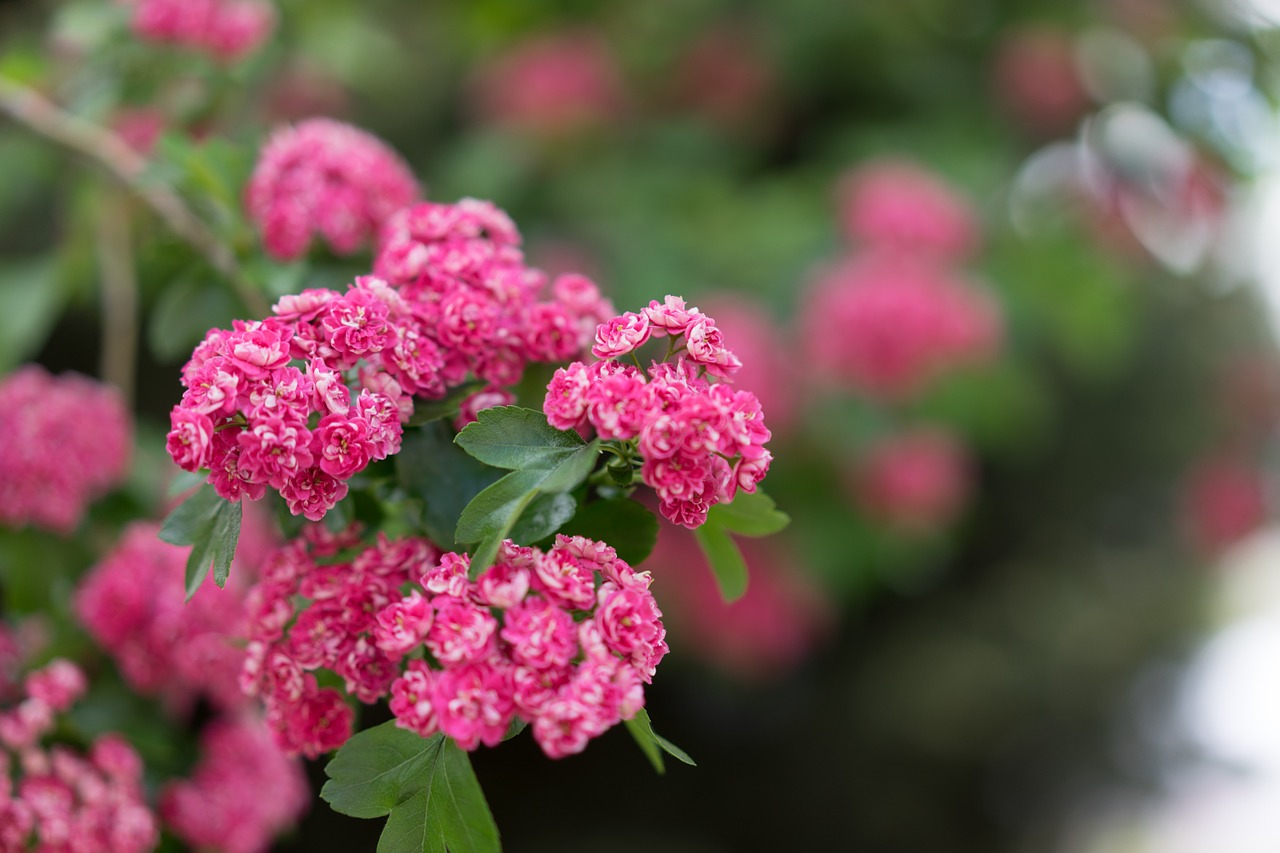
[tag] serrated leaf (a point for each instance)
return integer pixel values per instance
(456, 795)
(430, 466)
(193, 518)
(544, 515)
(426, 411)
(625, 524)
(413, 827)
(225, 535)
(726, 561)
(377, 769)
(515, 438)
(749, 515)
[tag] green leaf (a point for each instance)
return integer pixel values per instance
(185, 310)
(32, 297)
(726, 560)
(456, 795)
(494, 511)
(430, 466)
(625, 524)
(377, 769)
(749, 515)
(652, 744)
(193, 518)
(226, 533)
(413, 827)
(513, 437)
(426, 411)
(545, 515)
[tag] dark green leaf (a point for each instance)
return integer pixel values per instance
(671, 749)
(624, 524)
(426, 411)
(193, 518)
(494, 511)
(226, 533)
(377, 769)
(184, 312)
(32, 297)
(545, 515)
(725, 559)
(432, 467)
(749, 515)
(198, 563)
(513, 437)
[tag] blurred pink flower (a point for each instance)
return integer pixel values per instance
(1223, 502)
(1036, 80)
(67, 440)
(898, 205)
(770, 366)
(886, 325)
(228, 29)
(552, 85)
(917, 481)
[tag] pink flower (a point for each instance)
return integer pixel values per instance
(322, 177)
(917, 481)
(630, 624)
(343, 445)
(412, 699)
(312, 493)
(564, 580)
(898, 206)
(621, 335)
(502, 585)
(228, 29)
(473, 703)
(461, 632)
(190, 439)
(483, 399)
(402, 625)
(59, 684)
(565, 403)
(541, 634)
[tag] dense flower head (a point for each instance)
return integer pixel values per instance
(325, 178)
(569, 634)
(916, 481)
(551, 85)
(242, 792)
(131, 602)
(693, 437)
(886, 325)
(899, 206)
(55, 798)
(66, 441)
(227, 29)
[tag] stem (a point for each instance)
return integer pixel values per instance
(41, 116)
(119, 294)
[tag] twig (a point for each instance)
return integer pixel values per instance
(40, 115)
(119, 294)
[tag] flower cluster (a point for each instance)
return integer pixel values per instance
(131, 602)
(533, 637)
(61, 800)
(227, 29)
(307, 398)
(242, 793)
(898, 206)
(551, 85)
(886, 324)
(56, 460)
(323, 177)
(700, 440)
(917, 480)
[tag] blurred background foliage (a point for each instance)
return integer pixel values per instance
(974, 686)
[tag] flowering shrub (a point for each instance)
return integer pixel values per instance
(55, 798)
(227, 29)
(56, 461)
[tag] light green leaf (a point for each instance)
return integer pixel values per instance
(457, 797)
(494, 511)
(413, 827)
(727, 564)
(653, 744)
(545, 515)
(750, 515)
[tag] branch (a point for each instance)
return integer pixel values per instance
(40, 115)
(119, 294)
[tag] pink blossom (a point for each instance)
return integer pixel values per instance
(898, 206)
(621, 335)
(402, 625)
(228, 29)
(565, 403)
(313, 493)
(449, 576)
(59, 684)
(502, 585)
(323, 177)
(343, 445)
(483, 399)
(918, 480)
(461, 632)
(1224, 500)
(564, 580)
(190, 439)
(541, 634)
(412, 699)
(473, 703)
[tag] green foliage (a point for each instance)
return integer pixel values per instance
(748, 515)
(32, 297)
(652, 744)
(211, 526)
(626, 525)
(425, 787)
(545, 462)
(434, 469)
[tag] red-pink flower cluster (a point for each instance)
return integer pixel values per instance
(66, 441)
(228, 29)
(1224, 500)
(533, 636)
(242, 793)
(323, 177)
(56, 799)
(886, 324)
(555, 84)
(917, 480)
(897, 206)
(700, 440)
(131, 602)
